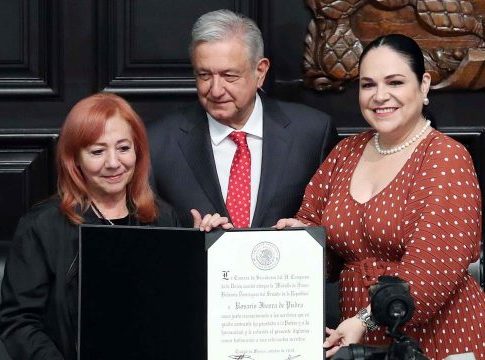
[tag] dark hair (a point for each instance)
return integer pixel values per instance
(410, 50)
(403, 45)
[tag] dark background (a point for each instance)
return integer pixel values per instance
(55, 52)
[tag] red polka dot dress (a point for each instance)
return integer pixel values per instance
(424, 227)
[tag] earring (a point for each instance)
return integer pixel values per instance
(426, 101)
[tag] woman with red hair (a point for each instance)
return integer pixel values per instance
(103, 164)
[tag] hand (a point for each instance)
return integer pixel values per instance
(327, 345)
(350, 331)
(284, 223)
(210, 221)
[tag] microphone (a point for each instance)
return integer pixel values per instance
(391, 302)
(391, 305)
(356, 351)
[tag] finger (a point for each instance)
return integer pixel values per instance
(223, 222)
(332, 340)
(216, 218)
(205, 222)
(197, 217)
(212, 222)
(295, 223)
(281, 224)
(227, 226)
(219, 220)
(332, 351)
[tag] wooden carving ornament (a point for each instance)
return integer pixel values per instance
(450, 32)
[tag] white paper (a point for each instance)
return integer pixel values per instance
(265, 296)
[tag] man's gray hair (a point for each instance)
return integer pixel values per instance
(224, 24)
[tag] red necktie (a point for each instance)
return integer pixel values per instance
(238, 200)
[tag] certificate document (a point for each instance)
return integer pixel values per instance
(265, 294)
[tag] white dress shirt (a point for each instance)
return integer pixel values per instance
(224, 149)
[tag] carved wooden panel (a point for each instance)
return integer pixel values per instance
(143, 45)
(27, 175)
(29, 55)
(451, 34)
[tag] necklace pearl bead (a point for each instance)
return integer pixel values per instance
(401, 147)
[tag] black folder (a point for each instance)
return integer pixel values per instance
(142, 293)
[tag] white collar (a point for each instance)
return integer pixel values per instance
(254, 125)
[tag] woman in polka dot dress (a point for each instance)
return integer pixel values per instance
(401, 200)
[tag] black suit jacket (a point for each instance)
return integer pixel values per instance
(296, 139)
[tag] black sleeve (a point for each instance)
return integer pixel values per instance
(330, 139)
(25, 290)
(168, 216)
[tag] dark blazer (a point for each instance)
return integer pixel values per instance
(38, 313)
(296, 138)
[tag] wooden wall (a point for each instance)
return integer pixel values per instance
(55, 52)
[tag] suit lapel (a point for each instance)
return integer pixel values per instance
(196, 147)
(276, 145)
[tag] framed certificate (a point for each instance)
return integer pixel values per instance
(164, 293)
(265, 294)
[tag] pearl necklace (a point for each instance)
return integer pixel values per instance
(398, 148)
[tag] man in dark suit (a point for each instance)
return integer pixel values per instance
(192, 152)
